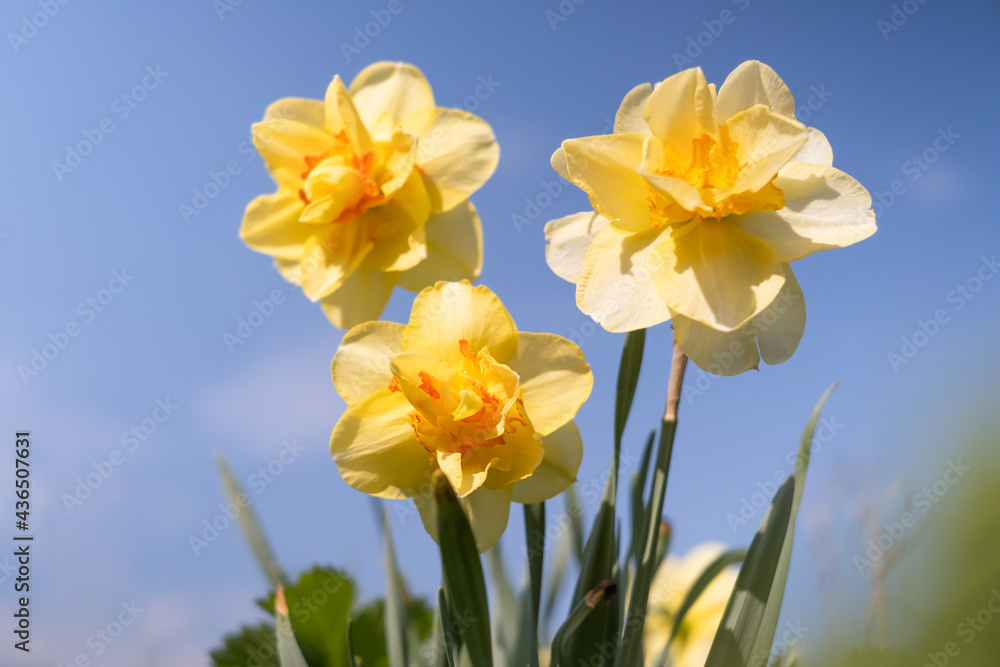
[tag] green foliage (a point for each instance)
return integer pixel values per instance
(252, 645)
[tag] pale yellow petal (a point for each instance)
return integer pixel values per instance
(606, 168)
(457, 155)
(654, 160)
(568, 240)
(397, 228)
(393, 88)
(629, 118)
(555, 379)
(270, 225)
(563, 454)
(487, 511)
(824, 208)
(375, 449)
(446, 313)
(716, 274)
(558, 162)
(766, 143)
(750, 84)
(680, 109)
(615, 285)
(454, 242)
(362, 297)
(310, 112)
(342, 117)
(361, 366)
(330, 256)
(285, 145)
(816, 149)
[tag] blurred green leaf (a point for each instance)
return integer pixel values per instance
(447, 629)
(534, 528)
(594, 600)
(252, 645)
(289, 653)
(395, 605)
(319, 605)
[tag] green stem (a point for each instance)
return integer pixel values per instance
(534, 528)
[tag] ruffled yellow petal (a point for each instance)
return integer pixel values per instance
(342, 118)
(310, 112)
(615, 285)
(386, 94)
(629, 118)
(824, 208)
(605, 167)
(330, 256)
(773, 335)
(555, 379)
(558, 162)
(750, 84)
(361, 366)
(375, 450)
(360, 298)
(680, 109)
(270, 225)
(487, 511)
(563, 455)
(816, 149)
(457, 155)
(449, 312)
(568, 240)
(766, 141)
(454, 249)
(397, 228)
(713, 272)
(285, 144)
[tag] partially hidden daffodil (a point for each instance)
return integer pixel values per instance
(373, 187)
(701, 199)
(671, 584)
(459, 390)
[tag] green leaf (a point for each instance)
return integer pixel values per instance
(252, 645)
(534, 528)
(504, 616)
(249, 525)
(395, 605)
(747, 629)
(628, 378)
(639, 481)
(369, 629)
(319, 605)
(289, 653)
(447, 629)
(351, 660)
(464, 585)
(596, 599)
(575, 520)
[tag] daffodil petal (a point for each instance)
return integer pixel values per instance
(525, 452)
(457, 155)
(558, 162)
(361, 366)
(454, 241)
(375, 449)
(772, 335)
(284, 144)
(270, 225)
(563, 455)
(342, 117)
(568, 240)
(330, 256)
(629, 118)
(767, 141)
(750, 84)
(605, 167)
(397, 228)
(397, 89)
(680, 191)
(449, 312)
(615, 285)
(816, 149)
(487, 511)
(680, 108)
(824, 208)
(716, 274)
(360, 298)
(555, 379)
(310, 112)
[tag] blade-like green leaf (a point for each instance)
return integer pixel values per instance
(639, 481)
(247, 519)
(447, 629)
(289, 653)
(575, 521)
(351, 660)
(595, 599)
(746, 632)
(395, 603)
(464, 585)
(628, 378)
(505, 614)
(534, 528)
(251, 645)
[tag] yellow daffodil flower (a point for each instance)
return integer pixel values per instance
(459, 390)
(701, 199)
(373, 188)
(673, 580)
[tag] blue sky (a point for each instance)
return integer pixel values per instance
(196, 74)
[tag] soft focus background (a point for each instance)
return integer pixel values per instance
(906, 93)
